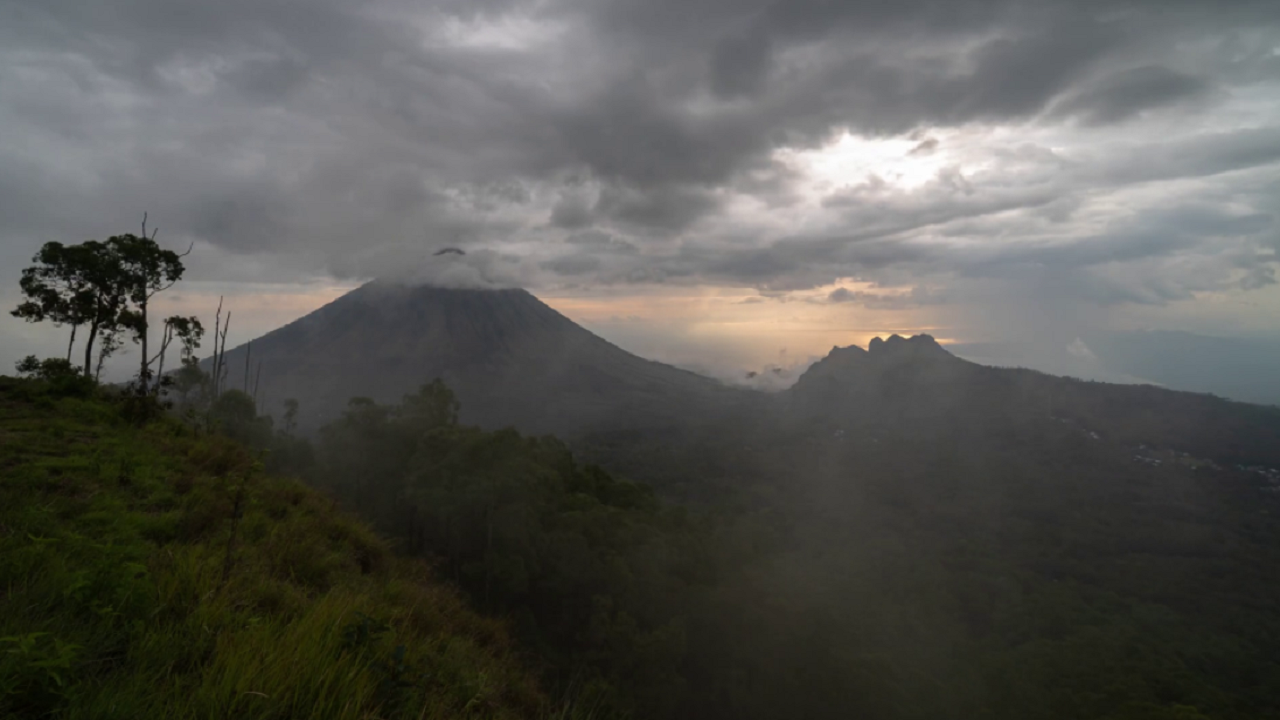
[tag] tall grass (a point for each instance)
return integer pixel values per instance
(123, 594)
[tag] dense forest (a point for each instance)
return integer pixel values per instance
(1006, 571)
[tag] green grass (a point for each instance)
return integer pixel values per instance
(132, 587)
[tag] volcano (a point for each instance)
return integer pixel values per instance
(511, 359)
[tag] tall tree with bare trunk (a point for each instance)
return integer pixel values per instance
(147, 270)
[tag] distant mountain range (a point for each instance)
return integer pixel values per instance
(916, 383)
(514, 361)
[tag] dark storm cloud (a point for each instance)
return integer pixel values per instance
(1208, 154)
(599, 241)
(357, 137)
(573, 264)
(573, 212)
(1156, 258)
(926, 147)
(672, 207)
(268, 79)
(916, 297)
(841, 295)
(739, 64)
(1126, 93)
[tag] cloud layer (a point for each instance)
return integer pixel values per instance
(1066, 158)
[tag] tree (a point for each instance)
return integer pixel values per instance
(107, 286)
(189, 379)
(111, 342)
(146, 269)
(290, 415)
(188, 331)
(220, 329)
(75, 285)
(62, 377)
(47, 369)
(233, 413)
(53, 288)
(434, 405)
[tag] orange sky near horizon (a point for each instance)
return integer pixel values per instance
(683, 325)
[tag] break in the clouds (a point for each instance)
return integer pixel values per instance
(1056, 161)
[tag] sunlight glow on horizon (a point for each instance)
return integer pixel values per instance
(737, 328)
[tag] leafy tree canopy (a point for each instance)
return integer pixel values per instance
(106, 287)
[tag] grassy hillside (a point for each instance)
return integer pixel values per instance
(148, 573)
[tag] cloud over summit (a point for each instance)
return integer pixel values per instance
(975, 146)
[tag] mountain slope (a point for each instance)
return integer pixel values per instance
(511, 359)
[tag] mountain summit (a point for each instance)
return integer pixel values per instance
(916, 383)
(511, 359)
(917, 346)
(852, 368)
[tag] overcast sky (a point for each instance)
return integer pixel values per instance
(719, 183)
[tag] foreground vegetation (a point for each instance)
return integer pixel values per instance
(157, 572)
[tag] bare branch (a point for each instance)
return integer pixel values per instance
(155, 292)
(257, 378)
(144, 228)
(222, 363)
(217, 325)
(166, 340)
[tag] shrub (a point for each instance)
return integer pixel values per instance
(59, 377)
